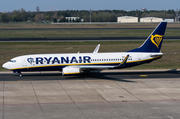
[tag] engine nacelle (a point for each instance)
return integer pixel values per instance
(70, 71)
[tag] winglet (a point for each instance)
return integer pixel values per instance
(123, 62)
(96, 49)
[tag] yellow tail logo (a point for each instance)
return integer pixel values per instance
(156, 39)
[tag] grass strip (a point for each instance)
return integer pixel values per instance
(81, 33)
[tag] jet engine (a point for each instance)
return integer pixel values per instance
(70, 70)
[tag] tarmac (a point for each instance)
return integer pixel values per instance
(116, 94)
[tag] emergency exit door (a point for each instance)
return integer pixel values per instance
(24, 61)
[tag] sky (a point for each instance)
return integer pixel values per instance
(51, 5)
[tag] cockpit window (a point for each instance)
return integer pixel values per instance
(12, 61)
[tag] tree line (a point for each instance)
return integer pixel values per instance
(96, 16)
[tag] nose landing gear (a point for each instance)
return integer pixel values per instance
(20, 75)
(18, 72)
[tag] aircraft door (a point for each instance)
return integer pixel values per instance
(24, 61)
(139, 59)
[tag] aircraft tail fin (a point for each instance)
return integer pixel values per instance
(154, 41)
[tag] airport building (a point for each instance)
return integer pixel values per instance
(168, 20)
(71, 19)
(151, 19)
(127, 19)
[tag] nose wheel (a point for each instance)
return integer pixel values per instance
(20, 75)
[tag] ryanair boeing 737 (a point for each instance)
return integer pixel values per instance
(76, 63)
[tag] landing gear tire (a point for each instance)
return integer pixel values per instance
(20, 75)
(86, 73)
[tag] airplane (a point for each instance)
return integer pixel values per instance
(78, 63)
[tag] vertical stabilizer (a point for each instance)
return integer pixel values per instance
(154, 41)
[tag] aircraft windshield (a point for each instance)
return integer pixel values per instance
(12, 61)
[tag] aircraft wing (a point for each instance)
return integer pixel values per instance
(71, 70)
(104, 67)
(95, 67)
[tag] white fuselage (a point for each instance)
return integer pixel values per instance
(58, 61)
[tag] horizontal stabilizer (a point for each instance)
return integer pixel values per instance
(156, 55)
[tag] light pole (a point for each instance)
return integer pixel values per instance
(90, 15)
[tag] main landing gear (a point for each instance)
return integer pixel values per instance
(86, 73)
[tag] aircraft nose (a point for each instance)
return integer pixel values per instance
(5, 65)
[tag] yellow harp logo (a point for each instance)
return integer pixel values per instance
(156, 39)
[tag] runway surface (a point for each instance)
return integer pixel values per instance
(22, 29)
(110, 94)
